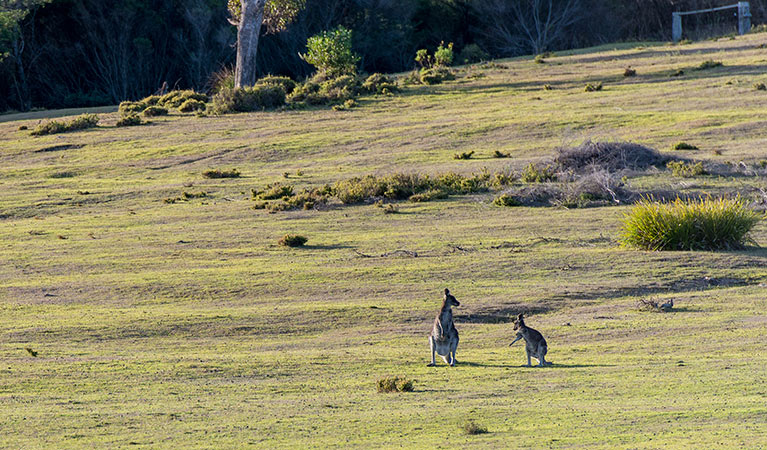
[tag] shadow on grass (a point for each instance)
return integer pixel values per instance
(534, 366)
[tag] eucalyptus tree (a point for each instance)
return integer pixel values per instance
(249, 16)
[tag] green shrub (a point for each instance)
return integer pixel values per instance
(394, 384)
(710, 64)
(702, 224)
(153, 111)
(471, 428)
(507, 200)
(192, 105)
(292, 240)
(540, 59)
(379, 84)
(535, 174)
(321, 91)
(464, 155)
(593, 87)
(443, 55)
(402, 186)
(78, 123)
(126, 108)
(151, 100)
(218, 173)
(287, 84)
(471, 54)
(435, 75)
(683, 146)
(174, 99)
(256, 98)
(129, 120)
(222, 78)
(686, 170)
(430, 195)
(273, 191)
(331, 52)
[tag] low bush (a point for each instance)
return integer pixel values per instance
(471, 54)
(174, 99)
(697, 224)
(593, 87)
(464, 155)
(629, 72)
(472, 428)
(435, 75)
(710, 64)
(78, 123)
(126, 108)
(611, 156)
(129, 120)
(256, 98)
(321, 91)
(760, 86)
(292, 240)
(686, 170)
(535, 174)
(402, 186)
(677, 73)
(394, 384)
(379, 84)
(218, 173)
(287, 84)
(500, 154)
(507, 200)
(683, 146)
(192, 105)
(154, 111)
(428, 196)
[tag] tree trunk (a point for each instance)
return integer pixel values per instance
(248, 32)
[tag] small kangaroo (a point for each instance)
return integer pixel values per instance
(444, 336)
(535, 344)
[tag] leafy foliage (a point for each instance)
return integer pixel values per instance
(55, 126)
(292, 240)
(686, 170)
(277, 13)
(245, 99)
(331, 52)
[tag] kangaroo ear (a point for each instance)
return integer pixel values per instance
(447, 292)
(519, 317)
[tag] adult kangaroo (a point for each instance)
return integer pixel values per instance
(535, 344)
(444, 337)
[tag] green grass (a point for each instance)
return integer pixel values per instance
(185, 325)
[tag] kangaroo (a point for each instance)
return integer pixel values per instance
(444, 336)
(535, 344)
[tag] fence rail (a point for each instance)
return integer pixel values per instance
(744, 18)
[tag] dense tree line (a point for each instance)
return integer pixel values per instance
(65, 53)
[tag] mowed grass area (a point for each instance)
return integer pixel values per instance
(185, 325)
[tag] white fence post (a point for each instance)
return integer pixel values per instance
(676, 27)
(744, 18)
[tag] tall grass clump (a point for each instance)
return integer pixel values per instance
(394, 384)
(698, 224)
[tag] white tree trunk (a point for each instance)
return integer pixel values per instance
(248, 32)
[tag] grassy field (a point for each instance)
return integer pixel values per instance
(185, 325)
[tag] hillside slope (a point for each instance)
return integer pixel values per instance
(161, 324)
